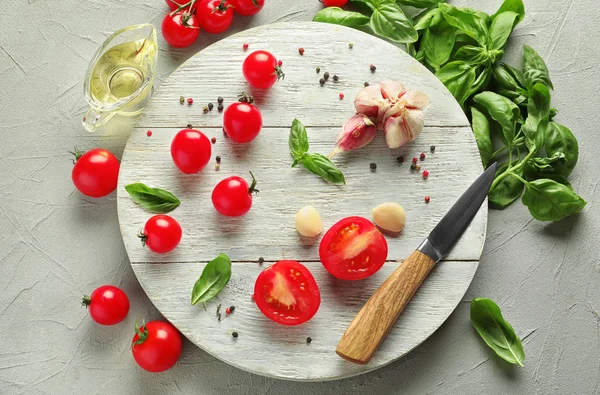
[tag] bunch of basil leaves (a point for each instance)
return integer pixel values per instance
(509, 108)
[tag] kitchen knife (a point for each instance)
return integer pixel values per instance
(373, 322)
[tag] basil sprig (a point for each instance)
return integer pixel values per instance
(155, 200)
(214, 278)
(315, 163)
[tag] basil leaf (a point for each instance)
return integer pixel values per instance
(437, 42)
(471, 54)
(508, 78)
(498, 334)
(420, 3)
(155, 200)
(323, 167)
(389, 21)
(547, 200)
(511, 5)
(509, 189)
(559, 139)
(481, 130)
(341, 17)
(534, 69)
(546, 164)
(214, 278)
(426, 20)
(458, 77)
(538, 116)
(467, 21)
(298, 140)
(501, 110)
(501, 28)
(481, 82)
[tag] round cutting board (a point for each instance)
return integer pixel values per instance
(268, 230)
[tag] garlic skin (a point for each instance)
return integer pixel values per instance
(389, 216)
(357, 132)
(308, 222)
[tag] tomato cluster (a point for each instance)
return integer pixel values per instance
(182, 24)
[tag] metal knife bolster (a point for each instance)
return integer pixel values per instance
(427, 248)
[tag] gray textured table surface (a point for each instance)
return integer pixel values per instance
(55, 247)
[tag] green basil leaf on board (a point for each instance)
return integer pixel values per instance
(155, 200)
(511, 5)
(534, 69)
(389, 21)
(481, 130)
(420, 3)
(437, 43)
(468, 22)
(298, 140)
(458, 77)
(505, 191)
(214, 278)
(559, 139)
(501, 28)
(501, 110)
(341, 17)
(323, 167)
(498, 334)
(538, 116)
(425, 21)
(548, 200)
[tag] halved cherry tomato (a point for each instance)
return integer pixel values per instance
(261, 69)
(247, 7)
(156, 346)
(353, 249)
(287, 293)
(215, 15)
(190, 150)
(242, 122)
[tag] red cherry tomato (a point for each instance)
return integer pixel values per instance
(108, 305)
(247, 7)
(261, 69)
(353, 249)
(334, 3)
(215, 15)
(156, 346)
(190, 150)
(287, 293)
(161, 233)
(179, 32)
(95, 172)
(242, 122)
(232, 196)
(174, 4)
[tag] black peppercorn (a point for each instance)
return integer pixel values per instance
(366, 84)
(373, 166)
(400, 159)
(231, 309)
(219, 100)
(261, 260)
(336, 78)
(308, 339)
(189, 125)
(218, 158)
(220, 107)
(322, 81)
(318, 69)
(235, 334)
(432, 148)
(326, 75)
(210, 106)
(372, 67)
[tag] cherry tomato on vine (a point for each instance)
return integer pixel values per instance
(233, 197)
(247, 7)
(334, 3)
(215, 15)
(156, 346)
(353, 249)
(181, 29)
(261, 69)
(242, 122)
(190, 150)
(174, 4)
(287, 293)
(95, 172)
(108, 305)
(161, 233)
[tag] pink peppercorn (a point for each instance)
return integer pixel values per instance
(341, 96)
(422, 157)
(415, 160)
(427, 199)
(245, 46)
(425, 173)
(301, 51)
(213, 140)
(190, 100)
(149, 133)
(279, 63)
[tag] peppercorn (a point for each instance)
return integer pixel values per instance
(219, 100)
(245, 46)
(350, 45)
(279, 63)
(432, 149)
(400, 159)
(189, 125)
(427, 199)
(335, 78)
(213, 140)
(261, 260)
(318, 69)
(149, 133)
(425, 174)
(413, 166)
(210, 106)
(308, 340)
(372, 67)
(190, 100)
(301, 51)
(373, 166)
(418, 167)
(415, 160)
(232, 308)
(322, 81)
(227, 311)
(366, 84)
(217, 166)
(326, 75)
(181, 99)
(220, 107)
(235, 334)
(422, 156)
(341, 96)
(205, 109)
(218, 158)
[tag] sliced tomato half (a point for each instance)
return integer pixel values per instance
(353, 249)
(287, 293)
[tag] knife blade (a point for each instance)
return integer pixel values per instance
(373, 322)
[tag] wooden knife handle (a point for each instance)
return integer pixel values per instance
(373, 322)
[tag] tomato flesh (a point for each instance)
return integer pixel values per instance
(259, 69)
(353, 249)
(287, 293)
(160, 350)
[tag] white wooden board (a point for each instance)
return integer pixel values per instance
(268, 229)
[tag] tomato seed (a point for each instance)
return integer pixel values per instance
(425, 174)
(149, 133)
(245, 46)
(235, 334)
(213, 140)
(427, 199)
(372, 67)
(373, 166)
(190, 100)
(341, 96)
(301, 51)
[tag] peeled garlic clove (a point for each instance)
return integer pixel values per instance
(357, 132)
(403, 128)
(308, 222)
(389, 216)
